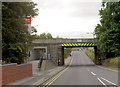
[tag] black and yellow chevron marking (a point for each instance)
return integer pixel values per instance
(78, 44)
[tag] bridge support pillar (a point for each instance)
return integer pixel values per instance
(97, 57)
(62, 55)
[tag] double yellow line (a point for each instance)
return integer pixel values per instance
(58, 75)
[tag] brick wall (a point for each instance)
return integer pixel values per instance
(14, 72)
(0, 76)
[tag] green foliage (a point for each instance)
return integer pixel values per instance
(34, 30)
(35, 36)
(90, 53)
(49, 36)
(45, 36)
(15, 37)
(108, 31)
(67, 51)
(11, 59)
(112, 62)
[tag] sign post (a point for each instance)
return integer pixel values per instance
(28, 25)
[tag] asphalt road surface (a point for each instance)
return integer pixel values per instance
(82, 71)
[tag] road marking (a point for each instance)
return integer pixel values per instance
(102, 82)
(59, 74)
(108, 81)
(52, 80)
(71, 60)
(54, 77)
(103, 79)
(93, 73)
(107, 69)
(57, 77)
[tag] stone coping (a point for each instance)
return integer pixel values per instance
(14, 64)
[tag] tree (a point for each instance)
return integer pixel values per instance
(42, 36)
(107, 32)
(34, 30)
(45, 36)
(14, 32)
(67, 51)
(0, 45)
(49, 36)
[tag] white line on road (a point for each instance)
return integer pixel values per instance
(108, 81)
(93, 73)
(102, 82)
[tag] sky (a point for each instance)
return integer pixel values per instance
(67, 18)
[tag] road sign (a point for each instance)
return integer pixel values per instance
(27, 20)
(28, 24)
(79, 40)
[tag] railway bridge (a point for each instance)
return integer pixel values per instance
(54, 48)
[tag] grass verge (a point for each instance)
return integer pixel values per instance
(89, 52)
(111, 62)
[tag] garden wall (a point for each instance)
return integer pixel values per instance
(13, 72)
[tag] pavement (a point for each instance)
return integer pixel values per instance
(67, 61)
(83, 72)
(48, 70)
(46, 65)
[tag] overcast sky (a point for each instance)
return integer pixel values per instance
(67, 18)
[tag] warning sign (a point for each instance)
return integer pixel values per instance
(27, 20)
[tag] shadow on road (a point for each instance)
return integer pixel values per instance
(82, 65)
